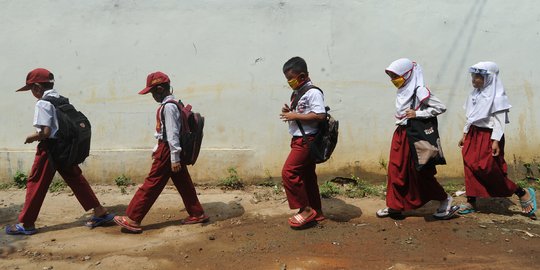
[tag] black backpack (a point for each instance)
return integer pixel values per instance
(191, 132)
(72, 145)
(322, 147)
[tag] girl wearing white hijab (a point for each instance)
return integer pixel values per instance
(408, 188)
(482, 144)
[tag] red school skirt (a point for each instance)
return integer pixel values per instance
(485, 175)
(407, 188)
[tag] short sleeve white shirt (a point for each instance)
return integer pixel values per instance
(45, 114)
(311, 101)
(172, 127)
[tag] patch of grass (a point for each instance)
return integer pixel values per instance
(329, 190)
(383, 163)
(529, 182)
(361, 188)
(452, 187)
(268, 181)
(20, 179)
(57, 185)
(123, 182)
(232, 181)
(4, 186)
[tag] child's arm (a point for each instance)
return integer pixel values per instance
(499, 120)
(43, 133)
(292, 116)
(434, 108)
(172, 127)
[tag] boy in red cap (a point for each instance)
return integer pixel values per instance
(166, 164)
(41, 82)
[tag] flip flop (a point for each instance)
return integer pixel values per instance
(124, 223)
(194, 220)
(448, 214)
(466, 209)
(531, 201)
(20, 230)
(99, 221)
(298, 221)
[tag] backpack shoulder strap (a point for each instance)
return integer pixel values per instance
(296, 96)
(179, 105)
(56, 101)
(294, 103)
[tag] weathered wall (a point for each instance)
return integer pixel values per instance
(225, 58)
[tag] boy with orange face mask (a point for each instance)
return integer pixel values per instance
(305, 112)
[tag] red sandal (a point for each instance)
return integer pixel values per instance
(124, 223)
(298, 221)
(194, 220)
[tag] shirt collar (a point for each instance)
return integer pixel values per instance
(167, 98)
(51, 92)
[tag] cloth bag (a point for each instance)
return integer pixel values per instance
(424, 140)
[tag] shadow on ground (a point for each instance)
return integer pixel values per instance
(337, 210)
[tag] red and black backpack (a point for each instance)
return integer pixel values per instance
(191, 132)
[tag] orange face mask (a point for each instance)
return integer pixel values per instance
(398, 82)
(294, 83)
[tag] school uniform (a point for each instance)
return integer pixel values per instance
(408, 188)
(167, 151)
(44, 168)
(298, 173)
(487, 111)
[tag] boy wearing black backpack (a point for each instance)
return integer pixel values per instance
(304, 114)
(166, 164)
(41, 81)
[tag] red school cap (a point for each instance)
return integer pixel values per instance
(38, 75)
(154, 79)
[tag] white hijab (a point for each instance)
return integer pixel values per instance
(414, 79)
(491, 98)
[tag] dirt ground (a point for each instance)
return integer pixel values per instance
(248, 230)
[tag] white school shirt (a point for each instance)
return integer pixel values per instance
(172, 126)
(45, 114)
(496, 122)
(435, 107)
(311, 101)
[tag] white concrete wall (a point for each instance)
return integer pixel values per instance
(225, 58)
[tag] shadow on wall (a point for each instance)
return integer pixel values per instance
(471, 21)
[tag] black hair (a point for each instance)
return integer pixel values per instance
(296, 64)
(47, 85)
(166, 86)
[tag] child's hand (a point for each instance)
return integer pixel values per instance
(460, 143)
(176, 167)
(410, 113)
(30, 139)
(495, 150)
(285, 108)
(287, 116)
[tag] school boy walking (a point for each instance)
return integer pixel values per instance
(408, 188)
(482, 145)
(41, 82)
(305, 112)
(166, 164)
